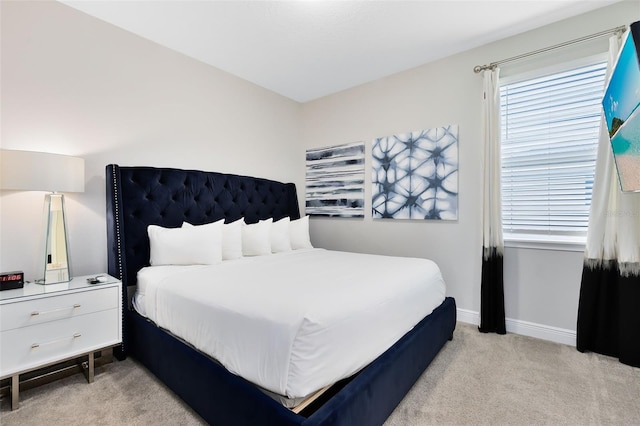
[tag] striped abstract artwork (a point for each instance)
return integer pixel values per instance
(335, 181)
(415, 175)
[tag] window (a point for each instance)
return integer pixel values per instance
(550, 129)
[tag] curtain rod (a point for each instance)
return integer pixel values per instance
(492, 65)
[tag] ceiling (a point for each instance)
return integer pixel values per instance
(307, 49)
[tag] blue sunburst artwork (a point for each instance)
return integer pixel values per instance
(415, 175)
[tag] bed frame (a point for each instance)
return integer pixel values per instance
(141, 196)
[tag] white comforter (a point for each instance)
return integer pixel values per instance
(293, 322)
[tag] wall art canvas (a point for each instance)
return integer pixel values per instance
(335, 181)
(415, 175)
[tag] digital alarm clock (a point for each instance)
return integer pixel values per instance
(11, 280)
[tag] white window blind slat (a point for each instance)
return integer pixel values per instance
(550, 129)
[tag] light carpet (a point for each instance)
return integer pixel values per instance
(477, 379)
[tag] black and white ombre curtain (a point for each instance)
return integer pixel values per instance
(492, 286)
(609, 307)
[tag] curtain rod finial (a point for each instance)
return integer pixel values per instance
(479, 68)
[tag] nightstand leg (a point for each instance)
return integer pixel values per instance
(15, 391)
(91, 367)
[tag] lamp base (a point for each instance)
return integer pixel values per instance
(57, 265)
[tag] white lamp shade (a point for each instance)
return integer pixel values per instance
(41, 171)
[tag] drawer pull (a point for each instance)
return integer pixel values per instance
(36, 313)
(51, 342)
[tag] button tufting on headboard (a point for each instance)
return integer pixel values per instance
(167, 197)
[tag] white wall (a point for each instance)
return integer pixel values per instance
(72, 84)
(541, 287)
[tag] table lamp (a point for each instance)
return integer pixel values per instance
(41, 171)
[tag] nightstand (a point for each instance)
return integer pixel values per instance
(43, 325)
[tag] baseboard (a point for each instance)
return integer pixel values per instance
(525, 328)
(467, 316)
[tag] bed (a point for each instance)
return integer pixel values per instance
(141, 196)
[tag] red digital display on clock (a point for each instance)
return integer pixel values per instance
(12, 277)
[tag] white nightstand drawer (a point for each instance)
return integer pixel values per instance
(24, 313)
(25, 348)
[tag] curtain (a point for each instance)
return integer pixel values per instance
(609, 305)
(492, 286)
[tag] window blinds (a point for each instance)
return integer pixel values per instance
(550, 128)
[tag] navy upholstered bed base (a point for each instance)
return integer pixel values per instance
(222, 398)
(140, 196)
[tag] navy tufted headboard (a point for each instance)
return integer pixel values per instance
(142, 196)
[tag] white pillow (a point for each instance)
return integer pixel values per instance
(231, 238)
(198, 245)
(299, 233)
(256, 238)
(280, 240)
